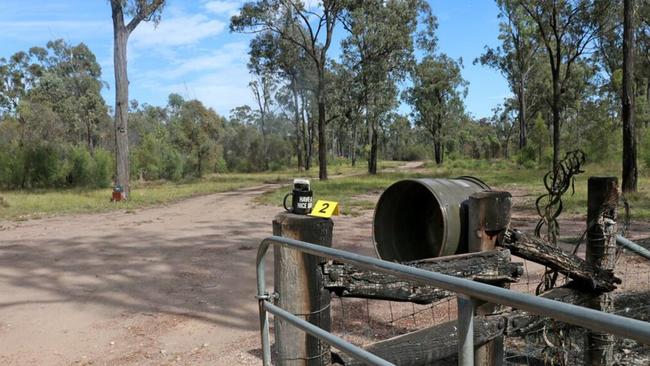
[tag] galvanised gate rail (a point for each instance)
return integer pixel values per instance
(468, 292)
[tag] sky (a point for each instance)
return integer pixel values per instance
(192, 53)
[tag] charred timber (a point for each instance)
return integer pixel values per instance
(492, 267)
(537, 250)
(438, 344)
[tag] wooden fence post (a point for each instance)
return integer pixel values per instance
(488, 217)
(602, 203)
(298, 284)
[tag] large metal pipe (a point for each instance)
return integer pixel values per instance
(423, 218)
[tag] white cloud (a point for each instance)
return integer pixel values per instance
(51, 29)
(222, 90)
(177, 31)
(222, 7)
(231, 55)
(218, 78)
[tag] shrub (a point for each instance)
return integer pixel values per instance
(172, 164)
(80, 167)
(45, 166)
(526, 156)
(413, 153)
(103, 168)
(645, 148)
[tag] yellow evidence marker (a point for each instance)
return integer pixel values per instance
(325, 209)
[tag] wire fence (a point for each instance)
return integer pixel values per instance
(363, 321)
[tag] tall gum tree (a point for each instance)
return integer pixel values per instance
(436, 96)
(630, 173)
(308, 28)
(379, 51)
(515, 59)
(139, 10)
(567, 29)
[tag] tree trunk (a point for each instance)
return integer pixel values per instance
(437, 148)
(308, 133)
(322, 137)
(523, 138)
(298, 123)
(353, 153)
(630, 172)
(120, 38)
(372, 159)
(91, 146)
(556, 121)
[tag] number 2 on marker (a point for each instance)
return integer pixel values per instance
(325, 209)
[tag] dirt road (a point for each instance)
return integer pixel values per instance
(169, 285)
(165, 285)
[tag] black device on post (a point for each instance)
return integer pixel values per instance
(302, 197)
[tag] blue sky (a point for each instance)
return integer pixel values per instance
(192, 53)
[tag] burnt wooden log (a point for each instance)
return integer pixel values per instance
(437, 345)
(492, 267)
(428, 345)
(538, 250)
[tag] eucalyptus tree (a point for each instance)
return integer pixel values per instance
(630, 172)
(642, 64)
(347, 103)
(288, 65)
(139, 11)
(504, 124)
(65, 80)
(18, 75)
(310, 28)
(196, 130)
(566, 29)
(515, 58)
(379, 51)
(436, 96)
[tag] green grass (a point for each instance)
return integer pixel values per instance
(498, 174)
(37, 203)
(349, 189)
(345, 190)
(508, 176)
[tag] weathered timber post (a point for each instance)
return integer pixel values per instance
(602, 203)
(298, 285)
(488, 217)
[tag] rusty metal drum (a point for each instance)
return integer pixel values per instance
(423, 218)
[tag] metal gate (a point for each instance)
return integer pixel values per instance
(468, 293)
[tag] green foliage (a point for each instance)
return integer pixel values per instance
(645, 148)
(49, 165)
(527, 157)
(104, 164)
(86, 169)
(539, 137)
(81, 167)
(413, 153)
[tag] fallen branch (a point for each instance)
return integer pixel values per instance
(537, 250)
